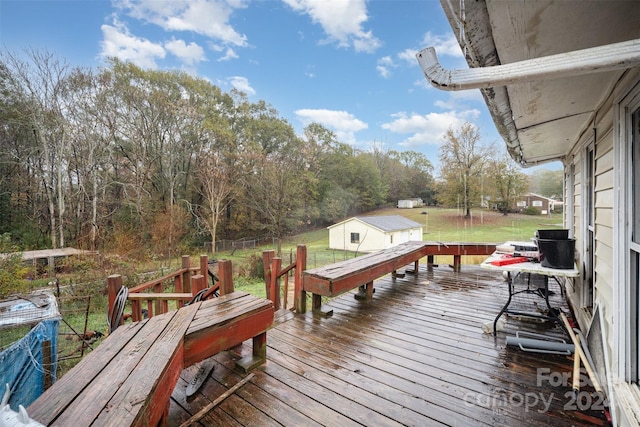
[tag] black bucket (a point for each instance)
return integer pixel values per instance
(558, 234)
(557, 253)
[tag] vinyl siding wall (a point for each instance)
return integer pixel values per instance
(609, 227)
(602, 140)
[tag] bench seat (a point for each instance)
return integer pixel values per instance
(335, 279)
(225, 322)
(128, 379)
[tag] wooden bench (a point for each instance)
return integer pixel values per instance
(335, 279)
(128, 379)
(238, 317)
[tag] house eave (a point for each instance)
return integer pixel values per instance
(540, 116)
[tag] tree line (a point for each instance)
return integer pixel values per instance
(146, 161)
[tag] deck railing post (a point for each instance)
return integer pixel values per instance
(274, 287)
(225, 272)
(114, 283)
(185, 277)
(300, 296)
(204, 266)
(267, 256)
(198, 283)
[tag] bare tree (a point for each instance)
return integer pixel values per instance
(217, 178)
(40, 82)
(462, 158)
(508, 181)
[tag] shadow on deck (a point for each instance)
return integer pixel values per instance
(415, 355)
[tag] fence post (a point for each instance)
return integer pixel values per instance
(300, 296)
(267, 256)
(274, 291)
(225, 271)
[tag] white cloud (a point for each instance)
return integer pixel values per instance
(118, 42)
(428, 128)
(344, 124)
(189, 54)
(229, 55)
(409, 56)
(384, 66)
(423, 83)
(444, 44)
(242, 84)
(459, 99)
(341, 20)
(206, 17)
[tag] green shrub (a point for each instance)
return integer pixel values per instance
(12, 269)
(253, 268)
(530, 210)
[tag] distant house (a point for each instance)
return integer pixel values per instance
(410, 203)
(373, 233)
(543, 204)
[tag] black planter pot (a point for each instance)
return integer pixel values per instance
(557, 253)
(562, 234)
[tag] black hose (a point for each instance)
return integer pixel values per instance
(117, 311)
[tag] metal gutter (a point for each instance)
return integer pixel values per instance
(609, 57)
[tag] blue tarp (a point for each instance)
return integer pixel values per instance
(21, 365)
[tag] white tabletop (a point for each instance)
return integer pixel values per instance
(528, 267)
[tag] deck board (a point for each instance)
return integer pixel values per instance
(415, 355)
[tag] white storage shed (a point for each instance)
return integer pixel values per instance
(373, 233)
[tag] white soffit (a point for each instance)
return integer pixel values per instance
(551, 114)
(552, 140)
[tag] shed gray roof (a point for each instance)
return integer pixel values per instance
(389, 222)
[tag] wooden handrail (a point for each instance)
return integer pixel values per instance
(272, 280)
(184, 284)
(170, 296)
(146, 285)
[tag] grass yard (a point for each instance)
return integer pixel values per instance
(448, 225)
(441, 225)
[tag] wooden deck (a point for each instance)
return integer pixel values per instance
(127, 381)
(415, 355)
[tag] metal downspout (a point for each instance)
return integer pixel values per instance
(609, 57)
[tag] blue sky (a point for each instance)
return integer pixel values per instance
(348, 64)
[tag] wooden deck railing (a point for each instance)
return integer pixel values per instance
(274, 273)
(174, 289)
(272, 281)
